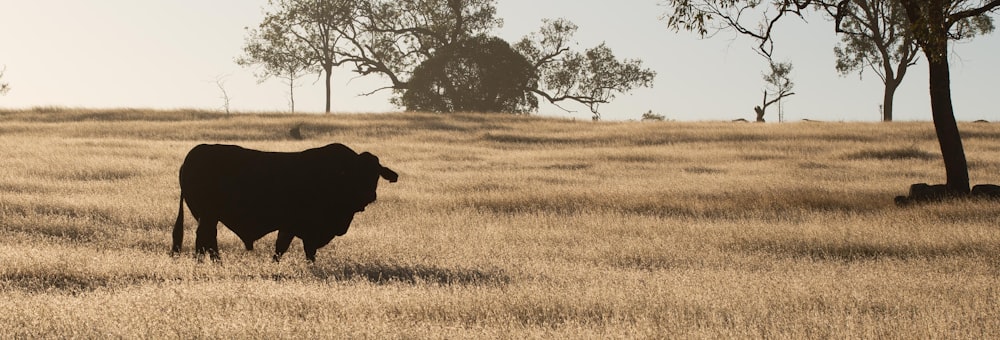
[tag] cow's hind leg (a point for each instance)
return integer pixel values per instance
(282, 244)
(206, 238)
(178, 233)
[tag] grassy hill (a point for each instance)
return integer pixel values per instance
(507, 226)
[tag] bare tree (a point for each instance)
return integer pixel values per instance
(220, 82)
(779, 86)
(4, 86)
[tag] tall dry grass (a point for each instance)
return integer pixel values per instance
(507, 227)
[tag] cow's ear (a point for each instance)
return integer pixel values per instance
(389, 175)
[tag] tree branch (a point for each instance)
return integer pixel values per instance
(955, 17)
(780, 95)
(377, 90)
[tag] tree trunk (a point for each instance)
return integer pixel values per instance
(291, 91)
(956, 167)
(887, 97)
(760, 109)
(329, 71)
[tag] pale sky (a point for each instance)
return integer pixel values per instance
(167, 54)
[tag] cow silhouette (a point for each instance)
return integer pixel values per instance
(312, 195)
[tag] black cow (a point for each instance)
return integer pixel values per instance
(312, 195)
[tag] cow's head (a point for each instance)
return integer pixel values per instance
(364, 179)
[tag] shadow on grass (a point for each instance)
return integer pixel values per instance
(896, 154)
(385, 273)
(66, 282)
(859, 251)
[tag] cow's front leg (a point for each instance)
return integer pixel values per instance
(281, 245)
(206, 239)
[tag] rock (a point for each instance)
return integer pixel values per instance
(990, 191)
(923, 192)
(902, 200)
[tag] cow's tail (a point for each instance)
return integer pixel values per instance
(179, 227)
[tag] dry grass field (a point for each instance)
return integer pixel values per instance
(507, 227)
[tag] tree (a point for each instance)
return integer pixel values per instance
(278, 54)
(932, 23)
(313, 30)
(875, 36)
(220, 82)
(482, 74)
(590, 78)
(4, 86)
(779, 85)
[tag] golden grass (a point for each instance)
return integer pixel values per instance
(507, 227)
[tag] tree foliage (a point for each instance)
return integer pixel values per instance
(301, 34)
(278, 53)
(591, 78)
(874, 33)
(482, 74)
(875, 36)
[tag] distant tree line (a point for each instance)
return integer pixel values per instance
(437, 55)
